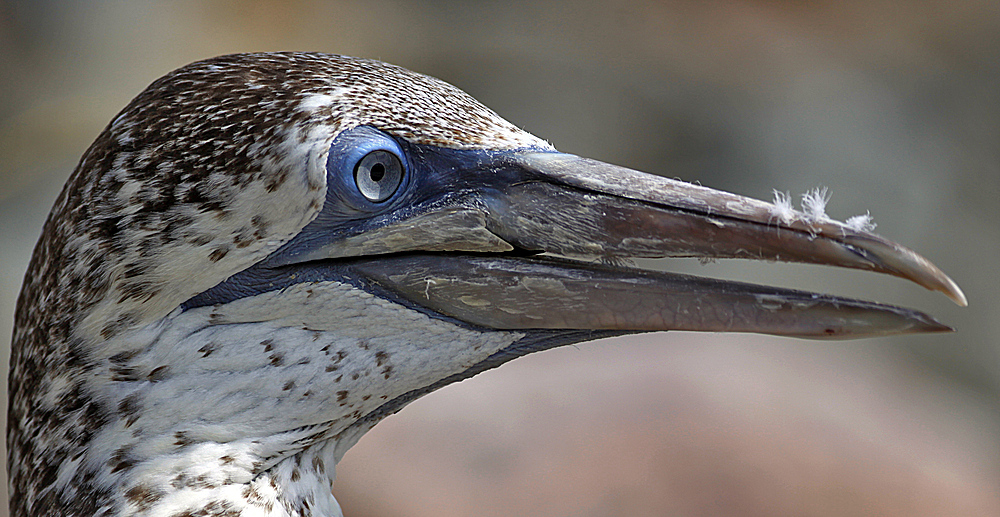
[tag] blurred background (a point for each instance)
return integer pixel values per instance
(895, 106)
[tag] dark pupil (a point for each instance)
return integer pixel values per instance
(377, 172)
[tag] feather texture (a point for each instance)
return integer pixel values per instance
(206, 172)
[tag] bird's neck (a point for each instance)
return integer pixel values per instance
(222, 480)
(247, 406)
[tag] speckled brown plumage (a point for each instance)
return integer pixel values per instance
(165, 204)
(217, 309)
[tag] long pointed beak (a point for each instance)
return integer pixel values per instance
(520, 293)
(620, 212)
(577, 208)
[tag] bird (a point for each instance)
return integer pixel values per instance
(263, 255)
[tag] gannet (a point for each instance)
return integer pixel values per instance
(263, 255)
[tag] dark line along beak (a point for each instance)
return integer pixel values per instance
(642, 215)
(577, 207)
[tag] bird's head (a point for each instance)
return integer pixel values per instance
(265, 254)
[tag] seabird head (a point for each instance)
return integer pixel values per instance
(263, 255)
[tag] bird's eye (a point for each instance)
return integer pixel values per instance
(378, 174)
(366, 169)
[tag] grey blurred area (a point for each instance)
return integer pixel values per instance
(894, 106)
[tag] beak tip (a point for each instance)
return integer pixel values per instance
(937, 326)
(926, 324)
(953, 291)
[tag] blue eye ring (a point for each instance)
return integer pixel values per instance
(366, 169)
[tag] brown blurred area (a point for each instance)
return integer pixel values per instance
(895, 106)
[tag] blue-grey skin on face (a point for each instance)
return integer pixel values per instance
(265, 254)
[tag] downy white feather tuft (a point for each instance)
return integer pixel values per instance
(782, 209)
(814, 205)
(861, 223)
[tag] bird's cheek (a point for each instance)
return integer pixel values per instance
(322, 353)
(160, 267)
